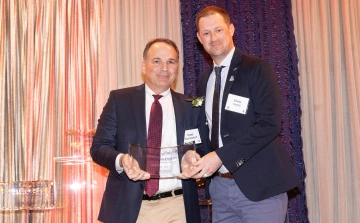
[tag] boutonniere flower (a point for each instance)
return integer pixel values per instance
(196, 102)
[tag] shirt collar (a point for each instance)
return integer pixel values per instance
(148, 91)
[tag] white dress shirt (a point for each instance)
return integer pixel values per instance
(168, 137)
(210, 94)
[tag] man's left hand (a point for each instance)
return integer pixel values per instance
(187, 164)
(206, 166)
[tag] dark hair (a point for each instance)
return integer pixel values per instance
(211, 10)
(161, 40)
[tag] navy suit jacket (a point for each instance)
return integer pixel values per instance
(122, 122)
(252, 150)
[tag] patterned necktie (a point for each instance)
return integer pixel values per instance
(154, 144)
(215, 110)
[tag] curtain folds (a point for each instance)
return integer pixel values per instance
(328, 39)
(49, 66)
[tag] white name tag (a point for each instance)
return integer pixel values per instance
(237, 104)
(192, 135)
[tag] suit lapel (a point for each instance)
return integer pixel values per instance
(138, 99)
(233, 71)
(179, 109)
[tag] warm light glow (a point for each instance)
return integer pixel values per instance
(76, 186)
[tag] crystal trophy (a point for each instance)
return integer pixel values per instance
(170, 158)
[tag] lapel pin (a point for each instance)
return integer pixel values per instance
(231, 78)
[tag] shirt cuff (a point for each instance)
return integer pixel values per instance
(118, 168)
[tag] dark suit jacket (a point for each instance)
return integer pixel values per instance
(122, 122)
(252, 149)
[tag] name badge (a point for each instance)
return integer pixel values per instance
(192, 135)
(237, 104)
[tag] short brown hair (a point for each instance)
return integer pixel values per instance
(211, 10)
(161, 40)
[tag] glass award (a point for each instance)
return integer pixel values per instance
(169, 161)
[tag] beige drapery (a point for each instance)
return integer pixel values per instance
(49, 53)
(328, 44)
(51, 72)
